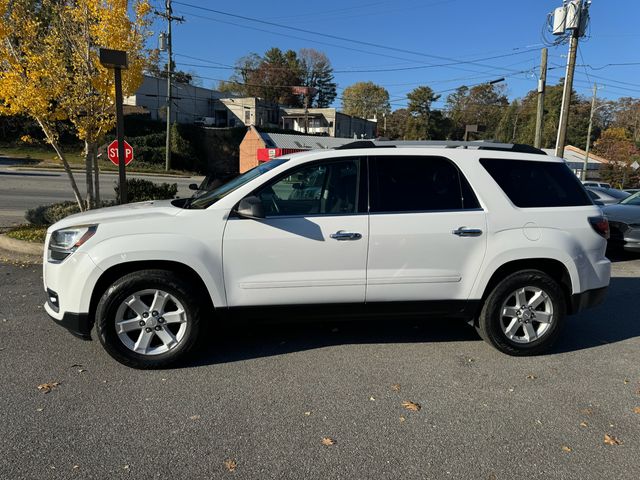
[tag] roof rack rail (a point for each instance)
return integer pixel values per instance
(363, 144)
(479, 144)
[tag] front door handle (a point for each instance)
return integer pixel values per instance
(467, 232)
(342, 235)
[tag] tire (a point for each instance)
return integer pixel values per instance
(131, 323)
(524, 314)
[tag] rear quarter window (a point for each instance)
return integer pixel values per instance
(530, 184)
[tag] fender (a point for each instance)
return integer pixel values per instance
(204, 259)
(501, 251)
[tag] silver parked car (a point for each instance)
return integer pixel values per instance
(624, 223)
(606, 196)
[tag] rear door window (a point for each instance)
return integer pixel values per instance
(530, 184)
(418, 184)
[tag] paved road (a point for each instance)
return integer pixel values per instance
(266, 396)
(24, 189)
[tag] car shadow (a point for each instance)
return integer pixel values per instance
(613, 321)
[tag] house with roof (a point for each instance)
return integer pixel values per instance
(575, 156)
(257, 147)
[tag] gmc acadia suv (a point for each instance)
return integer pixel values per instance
(502, 236)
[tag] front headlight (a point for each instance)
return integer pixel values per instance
(65, 241)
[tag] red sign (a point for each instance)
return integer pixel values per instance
(304, 90)
(266, 154)
(112, 152)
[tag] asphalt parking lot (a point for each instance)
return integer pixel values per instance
(257, 402)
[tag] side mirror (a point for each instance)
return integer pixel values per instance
(251, 207)
(193, 186)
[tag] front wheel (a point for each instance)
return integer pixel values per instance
(524, 313)
(148, 319)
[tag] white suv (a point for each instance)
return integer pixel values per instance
(509, 241)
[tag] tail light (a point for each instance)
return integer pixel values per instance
(600, 225)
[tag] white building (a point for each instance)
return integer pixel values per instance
(189, 101)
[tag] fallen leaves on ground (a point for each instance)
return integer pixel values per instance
(626, 381)
(328, 441)
(373, 399)
(566, 449)
(584, 424)
(47, 387)
(230, 464)
(194, 417)
(413, 406)
(611, 440)
(395, 387)
(402, 419)
(307, 413)
(586, 411)
(531, 376)
(636, 410)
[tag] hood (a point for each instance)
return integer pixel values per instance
(622, 213)
(128, 212)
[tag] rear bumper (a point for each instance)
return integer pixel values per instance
(587, 299)
(78, 324)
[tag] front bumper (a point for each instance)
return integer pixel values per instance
(587, 299)
(78, 324)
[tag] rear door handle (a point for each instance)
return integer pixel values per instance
(467, 232)
(342, 235)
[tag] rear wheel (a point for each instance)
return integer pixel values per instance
(148, 319)
(524, 313)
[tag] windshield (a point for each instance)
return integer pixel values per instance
(222, 191)
(632, 200)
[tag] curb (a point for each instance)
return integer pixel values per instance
(11, 245)
(23, 168)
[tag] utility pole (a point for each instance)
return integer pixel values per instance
(306, 112)
(586, 153)
(541, 89)
(168, 15)
(576, 16)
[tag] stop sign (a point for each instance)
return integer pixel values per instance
(112, 152)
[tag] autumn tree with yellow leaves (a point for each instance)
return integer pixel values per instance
(50, 69)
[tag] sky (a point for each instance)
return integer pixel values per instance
(402, 44)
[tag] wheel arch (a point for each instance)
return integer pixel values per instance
(119, 270)
(554, 268)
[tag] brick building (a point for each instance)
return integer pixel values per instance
(257, 147)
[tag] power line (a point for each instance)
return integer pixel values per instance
(337, 37)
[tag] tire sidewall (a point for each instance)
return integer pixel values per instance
(128, 285)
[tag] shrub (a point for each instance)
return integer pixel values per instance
(48, 214)
(28, 233)
(139, 190)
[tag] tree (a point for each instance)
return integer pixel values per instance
(626, 114)
(317, 73)
(366, 100)
(479, 105)
(419, 106)
(396, 124)
(617, 146)
(270, 77)
(158, 70)
(50, 70)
